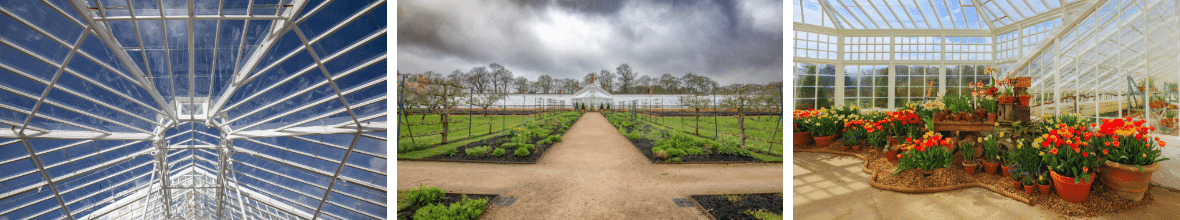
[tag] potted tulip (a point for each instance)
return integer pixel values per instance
(1142, 86)
(927, 153)
(824, 127)
(1132, 156)
(1072, 161)
(968, 152)
(802, 134)
(854, 134)
(1043, 184)
(991, 154)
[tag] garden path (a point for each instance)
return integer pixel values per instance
(594, 173)
(828, 186)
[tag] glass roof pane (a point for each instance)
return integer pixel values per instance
(147, 79)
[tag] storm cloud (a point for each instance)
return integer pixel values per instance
(730, 41)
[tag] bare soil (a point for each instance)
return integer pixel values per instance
(721, 207)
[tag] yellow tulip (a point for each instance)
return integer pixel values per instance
(1001, 134)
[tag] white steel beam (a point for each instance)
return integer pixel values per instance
(190, 18)
(335, 176)
(65, 210)
(115, 47)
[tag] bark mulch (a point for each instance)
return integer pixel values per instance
(1100, 201)
(735, 206)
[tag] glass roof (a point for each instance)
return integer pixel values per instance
(920, 14)
(198, 109)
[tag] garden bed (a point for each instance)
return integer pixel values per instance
(741, 206)
(646, 143)
(450, 198)
(1100, 201)
(495, 142)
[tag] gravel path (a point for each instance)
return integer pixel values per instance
(595, 173)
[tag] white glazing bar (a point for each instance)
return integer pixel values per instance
(117, 49)
(195, 17)
(313, 104)
(349, 194)
(358, 105)
(336, 176)
(65, 210)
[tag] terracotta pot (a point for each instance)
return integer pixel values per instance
(1142, 88)
(802, 138)
(1005, 170)
(1017, 184)
(844, 147)
(991, 117)
(856, 148)
(1044, 189)
(891, 155)
(980, 114)
(939, 116)
(990, 168)
(969, 168)
(824, 141)
(892, 141)
(1029, 189)
(1076, 193)
(958, 116)
(1024, 100)
(1126, 180)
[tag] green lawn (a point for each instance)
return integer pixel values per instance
(457, 129)
(759, 153)
(436, 150)
(759, 129)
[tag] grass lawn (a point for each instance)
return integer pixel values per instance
(436, 150)
(457, 130)
(759, 129)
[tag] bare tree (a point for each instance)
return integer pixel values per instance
(607, 78)
(484, 102)
(645, 84)
(501, 78)
(743, 99)
(569, 86)
(545, 82)
(696, 102)
(441, 96)
(669, 83)
(478, 78)
(522, 84)
(626, 78)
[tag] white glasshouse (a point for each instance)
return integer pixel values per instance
(592, 94)
(198, 109)
(1083, 56)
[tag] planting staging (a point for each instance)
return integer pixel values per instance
(1065, 163)
(665, 145)
(428, 202)
(763, 206)
(524, 143)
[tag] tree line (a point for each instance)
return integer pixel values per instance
(495, 78)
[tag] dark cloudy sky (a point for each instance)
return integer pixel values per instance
(730, 41)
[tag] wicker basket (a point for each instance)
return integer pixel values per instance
(1024, 82)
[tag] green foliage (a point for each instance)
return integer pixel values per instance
(407, 147)
(545, 141)
(498, 152)
(929, 159)
(662, 154)
(991, 149)
(478, 151)
(521, 152)
(989, 104)
(555, 138)
(1027, 161)
(530, 147)
(462, 210)
(674, 160)
(764, 215)
(452, 152)
(424, 195)
(676, 152)
(633, 136)
(968, 151)
(510, 145)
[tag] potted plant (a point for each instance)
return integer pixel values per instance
(1142, 86)
(824, 127)
(802, 134)
(1169, 119)
(968, 152)
(1072, 161)
(1174, 87)
(1029, 183)
(853, 134)
(989, 104)
(1132, 156)
(1024, 98)
(927, 153)
(1043, 183)
(991, 154)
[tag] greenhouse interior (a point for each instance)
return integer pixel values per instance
(1038, 107)
(198, 109)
